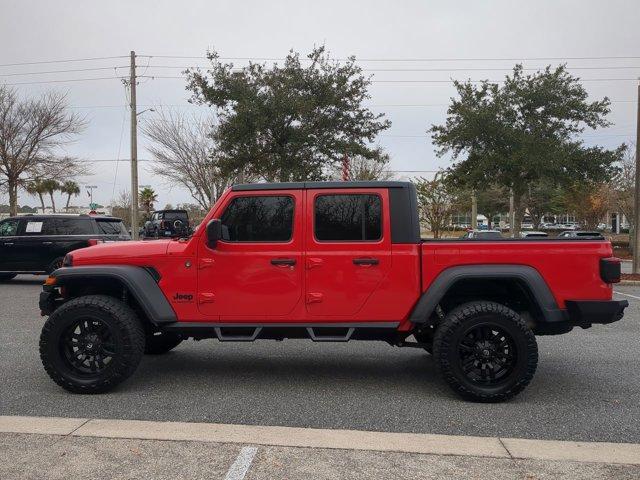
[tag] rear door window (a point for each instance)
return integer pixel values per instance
(348, 217)
(37, 226)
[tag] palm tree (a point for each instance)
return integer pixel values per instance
(37, 188)
(147, 198)
(50, 186)
(70, 188)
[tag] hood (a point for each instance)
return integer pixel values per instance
(119, 251)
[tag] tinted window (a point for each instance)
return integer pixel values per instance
(175, 216)
(348, 217)
(73, 226)
(258, 219)
(111, 227)
(8, 228)
(37, 226)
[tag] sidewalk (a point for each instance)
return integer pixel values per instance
(32, 447)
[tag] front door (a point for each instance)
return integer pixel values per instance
(348, 250)
(255, 271)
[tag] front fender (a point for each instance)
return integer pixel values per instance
(140, 283)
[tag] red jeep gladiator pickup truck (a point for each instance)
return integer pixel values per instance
(329, 261)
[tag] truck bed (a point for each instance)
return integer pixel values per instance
(571, 268)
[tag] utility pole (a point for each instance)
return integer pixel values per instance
(134, 149)
(474, 210)
(636, 213)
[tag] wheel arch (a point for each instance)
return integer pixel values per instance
(139, 284)
(454, 280)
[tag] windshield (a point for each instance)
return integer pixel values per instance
(112, 227)
(175, 216)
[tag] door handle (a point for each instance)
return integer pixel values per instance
(283, 262)
(47, 243)
(366, 261)
(8, 244)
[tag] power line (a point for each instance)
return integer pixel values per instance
(62, 61)
(395, 59)
(62, 81)
(59, 71)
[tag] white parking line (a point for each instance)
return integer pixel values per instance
(627, 295)
(240, 467)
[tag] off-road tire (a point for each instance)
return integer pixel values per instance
(5, 277)
(128, 336)
(161, 342)
(450, 333)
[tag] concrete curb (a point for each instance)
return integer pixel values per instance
(628, 282)
(593, 452)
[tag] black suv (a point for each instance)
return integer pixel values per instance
(38, 243)
(167, 223)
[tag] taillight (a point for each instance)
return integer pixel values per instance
(67, 261)
(610, 269)
(94, 241)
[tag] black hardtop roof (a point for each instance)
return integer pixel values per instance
(318, 185)
(172, 210)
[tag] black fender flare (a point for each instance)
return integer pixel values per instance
(529, 276)
(139, 281)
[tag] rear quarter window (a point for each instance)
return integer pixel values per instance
(74, 226)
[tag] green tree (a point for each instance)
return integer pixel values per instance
(289, 122)
(51, 186)
(147, 198)
(436, 201)
(524, 132)
(492, 201)
(542, 198)
(70, 188)
(36, 188)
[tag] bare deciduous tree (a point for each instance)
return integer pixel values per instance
(624, 186)
(185, 154)
(361, 168)
(32, 132)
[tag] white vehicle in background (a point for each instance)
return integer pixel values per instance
(534, 234)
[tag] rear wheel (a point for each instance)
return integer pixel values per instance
(485, 351)
(91, 344)
(5, 277)
(161, 342)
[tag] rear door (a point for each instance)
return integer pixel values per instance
(348, 249)
(35, 243)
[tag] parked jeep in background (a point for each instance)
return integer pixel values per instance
(38, 243)
(167, 223)
(329, 261)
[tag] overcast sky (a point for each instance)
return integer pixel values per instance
(475, 34)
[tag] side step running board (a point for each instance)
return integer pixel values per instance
(237, 338)
(329, 338)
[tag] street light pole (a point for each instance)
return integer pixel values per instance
(636, 212)
(134, 150)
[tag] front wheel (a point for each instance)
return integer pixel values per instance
(91, 344)
(485, 351)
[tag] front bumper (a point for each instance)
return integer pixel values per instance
(584, 313)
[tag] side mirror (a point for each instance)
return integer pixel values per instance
(214, 232)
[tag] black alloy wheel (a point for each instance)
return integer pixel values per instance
(88, 346)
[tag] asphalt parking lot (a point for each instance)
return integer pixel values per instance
(587, 386)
